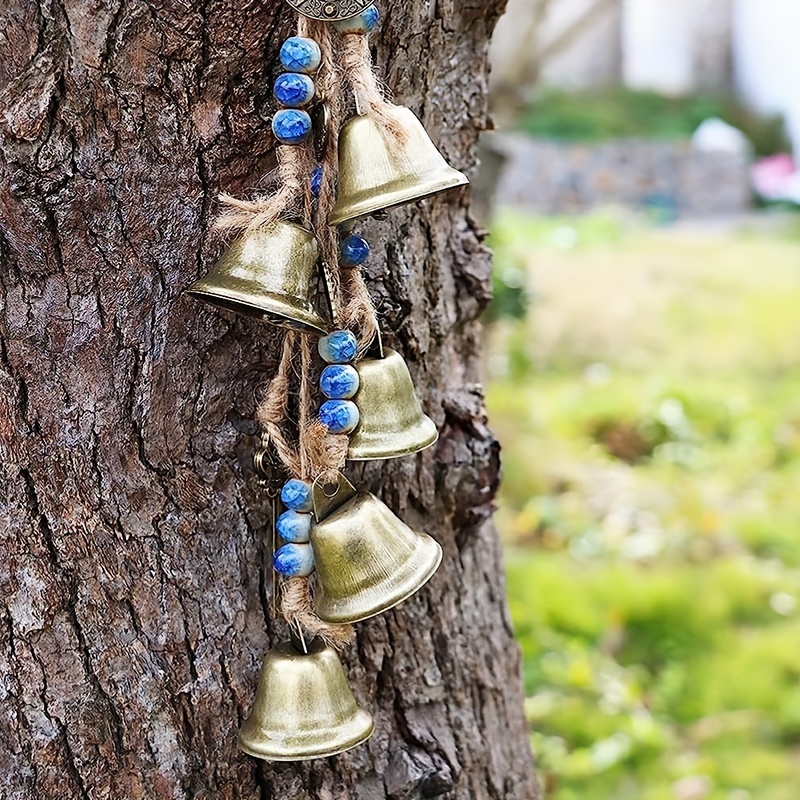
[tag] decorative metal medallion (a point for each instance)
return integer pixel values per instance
(329, 10)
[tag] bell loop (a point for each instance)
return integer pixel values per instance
(329, 495)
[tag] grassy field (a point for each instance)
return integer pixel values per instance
(647, 396)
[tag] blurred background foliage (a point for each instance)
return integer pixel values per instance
(644, 385)
(621, 113)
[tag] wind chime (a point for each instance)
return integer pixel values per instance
(345, 153)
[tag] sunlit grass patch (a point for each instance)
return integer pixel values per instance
(648, 403)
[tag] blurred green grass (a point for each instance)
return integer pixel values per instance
(614, 113)
(645, 385)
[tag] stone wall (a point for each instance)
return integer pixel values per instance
(668, 178)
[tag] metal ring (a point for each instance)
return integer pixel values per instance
(330, 489)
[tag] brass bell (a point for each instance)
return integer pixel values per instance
(270, 274)
(376, 171)
(392, 422)
(304, 707)
(367, 560)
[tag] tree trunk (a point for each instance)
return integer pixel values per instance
(135, 575)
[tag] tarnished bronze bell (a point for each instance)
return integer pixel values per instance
(303, 708)
(392, 422)
(367, 560)
(378, 171)
(270, 274)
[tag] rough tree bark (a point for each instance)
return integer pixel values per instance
(135, 575)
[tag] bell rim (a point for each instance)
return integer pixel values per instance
(351, 618)
(228, 300)
(362, 717)
(374, 453)
(368, 205)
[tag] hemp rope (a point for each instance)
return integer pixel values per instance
(315, 448)
(297, 604)
(329, 85)
(360, 74)
(291, 200)
(271, 411)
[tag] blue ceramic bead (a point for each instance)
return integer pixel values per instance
(339, 381)
(294, 560)
(339, 416)
(300, 55)
(355, 250)
(293, 90)
(291, 126)
(296, 495)
(316, 181)
(338, 347)
(294, 527)
(364, 22)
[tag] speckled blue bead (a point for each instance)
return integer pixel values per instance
(354, 249)
(294, 527)
(339, 416)
(293, 90)
(296, 495)
(294, 560)
(300, 55)
(291, 126)
(338, 347)
(364, 22)
(316, 181)
(339, 381)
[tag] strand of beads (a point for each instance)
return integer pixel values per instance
(294, 90)
(296, 558)
(339, 382)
